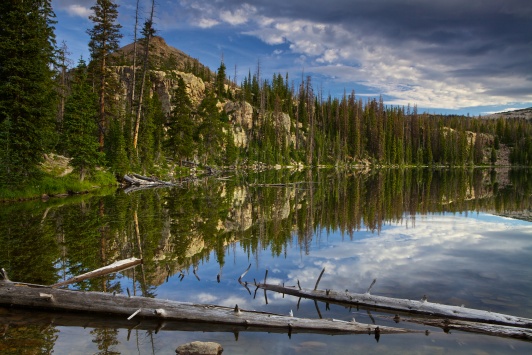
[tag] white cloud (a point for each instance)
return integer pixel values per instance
(239, 16)
(429, 247)
(206, 298)
(78, 10)
(207, 23)
(408, 76)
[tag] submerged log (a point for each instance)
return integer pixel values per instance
(402, 305)
(21, 317)
(114, 267)
(142, 308)
(475, 327)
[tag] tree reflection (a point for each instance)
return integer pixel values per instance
(175, 230)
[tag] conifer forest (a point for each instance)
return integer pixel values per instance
(90, 113)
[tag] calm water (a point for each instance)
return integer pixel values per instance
(457, 236)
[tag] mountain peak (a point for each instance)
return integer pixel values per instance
(161, 54)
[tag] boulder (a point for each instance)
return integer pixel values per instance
(199, 348)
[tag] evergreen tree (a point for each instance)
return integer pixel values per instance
(27, 89)
(116, 150)
(104, 37)
(219, 84)
(179, 142)
(210, 131)
(81, 113)
(146, 146)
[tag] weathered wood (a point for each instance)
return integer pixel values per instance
(475, 327)
(47, 298)
(114, 267)
(139, 180)
(404, 305)
(21, 317)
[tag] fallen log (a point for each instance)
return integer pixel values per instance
(114, 267)
(402, 305)
(473, 327)
(22, 318)
(133, 308)
(139, 180)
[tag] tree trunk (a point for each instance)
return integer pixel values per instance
(135, 309)
(143, 81)
(401, 305)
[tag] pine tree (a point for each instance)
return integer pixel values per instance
(27, 90)
(105, 36)
(210, 130)
(116, 150)
(179, 143)
(81, 113)
(219, 83)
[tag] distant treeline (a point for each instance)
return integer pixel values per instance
(45, 106)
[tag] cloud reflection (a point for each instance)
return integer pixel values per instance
(451, 258)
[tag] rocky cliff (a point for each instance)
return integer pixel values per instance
(171, 64)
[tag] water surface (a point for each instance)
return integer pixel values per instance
(460, 237)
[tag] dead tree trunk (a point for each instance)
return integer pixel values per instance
(136, 309)
(400, 305)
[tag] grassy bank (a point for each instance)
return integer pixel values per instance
(51, 185)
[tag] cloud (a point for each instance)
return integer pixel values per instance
(473, 246)
(207, 22)
(206, 298)
(78, 10)
(239, 16)
(450, 54)
(439, 54)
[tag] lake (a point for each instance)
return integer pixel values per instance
(456, 236)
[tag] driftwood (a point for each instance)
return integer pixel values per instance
(114, 267)
(401, 305)
(138, 309)
(20, 317)
(144, 181)
(456, 318)
(473, 327)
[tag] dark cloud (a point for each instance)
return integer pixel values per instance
(456, 47)
(452, 28)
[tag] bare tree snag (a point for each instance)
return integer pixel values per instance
(317, 282)
(149, 34)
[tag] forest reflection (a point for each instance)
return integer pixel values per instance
(177, 230)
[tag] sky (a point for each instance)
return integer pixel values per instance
(445, 56)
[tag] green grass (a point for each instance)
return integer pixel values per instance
(47, 184)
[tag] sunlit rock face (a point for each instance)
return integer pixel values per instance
(240, 113)
(164, 83)
(241, 118)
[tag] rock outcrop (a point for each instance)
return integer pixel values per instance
(172, 64)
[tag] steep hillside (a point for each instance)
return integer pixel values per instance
(168, 64)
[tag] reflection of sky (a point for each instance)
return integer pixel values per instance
(480, 260)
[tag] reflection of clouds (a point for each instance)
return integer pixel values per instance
(206, 298)
(231, 301)
(453, 254)
(220, 299)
